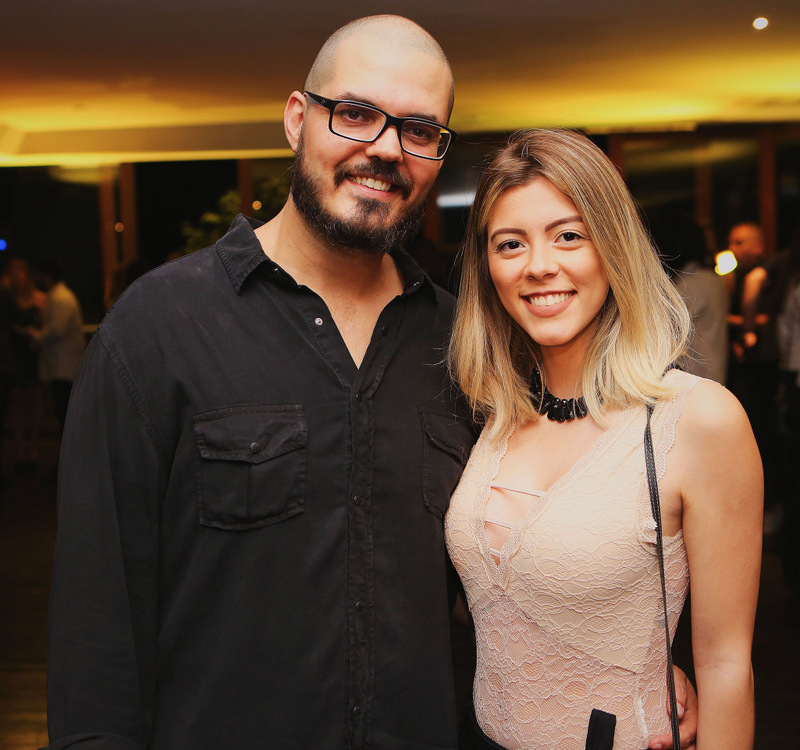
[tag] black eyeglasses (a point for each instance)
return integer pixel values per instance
(357, 121)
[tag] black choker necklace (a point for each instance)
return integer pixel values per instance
(557, 409)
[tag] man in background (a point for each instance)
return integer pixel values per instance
(60, 339)
(754, 364)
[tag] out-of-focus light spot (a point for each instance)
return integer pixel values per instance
(256, 205)
(3, 245)
(760, 23)
(456, 200)
(119, 227)
(726, 262)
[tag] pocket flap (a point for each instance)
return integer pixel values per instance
(251, 432)
(447, 433)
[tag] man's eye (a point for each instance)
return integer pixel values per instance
(352, 115)
(421, 133)
(349, 116)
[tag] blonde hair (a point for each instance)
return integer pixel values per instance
(643, 324)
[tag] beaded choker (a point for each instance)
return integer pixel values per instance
(557, 409)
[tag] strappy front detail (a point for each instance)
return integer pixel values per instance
(503, 512)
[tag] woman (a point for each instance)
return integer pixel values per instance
(550, 529)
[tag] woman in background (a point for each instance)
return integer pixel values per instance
(565, 327)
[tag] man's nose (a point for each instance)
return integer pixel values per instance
(387, 146)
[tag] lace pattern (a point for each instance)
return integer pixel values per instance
(570, 618)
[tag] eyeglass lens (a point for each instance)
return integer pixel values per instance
(364, 123)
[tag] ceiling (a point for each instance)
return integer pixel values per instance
(92, 82)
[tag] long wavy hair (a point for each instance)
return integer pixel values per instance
(642, 326)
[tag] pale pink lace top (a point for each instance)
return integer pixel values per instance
(571, 617)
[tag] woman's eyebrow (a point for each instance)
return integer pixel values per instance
(565, 220)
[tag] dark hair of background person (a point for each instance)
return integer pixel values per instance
(679, 240)
(789, 273)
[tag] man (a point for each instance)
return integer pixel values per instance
(250, 546)
(754, 366)
(746, 242)
(60, 339)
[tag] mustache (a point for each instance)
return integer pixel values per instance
(379, 170)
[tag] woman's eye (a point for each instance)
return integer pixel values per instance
(510, 245)
(570, 236)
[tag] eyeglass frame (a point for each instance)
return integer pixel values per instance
(391, 121)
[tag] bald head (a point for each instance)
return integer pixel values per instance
(746, 242)
(391, 31)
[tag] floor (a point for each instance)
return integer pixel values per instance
(27, 529)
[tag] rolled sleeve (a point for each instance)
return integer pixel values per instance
(103, 603)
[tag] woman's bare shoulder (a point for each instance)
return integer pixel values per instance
(713, 410)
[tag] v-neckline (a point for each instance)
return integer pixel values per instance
(500, 571)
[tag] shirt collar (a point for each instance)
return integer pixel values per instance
(241, 253)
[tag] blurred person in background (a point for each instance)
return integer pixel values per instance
(681, 243)
(753, 368)
(788, 295)
(8, 366)
(28, 305)
(60, 339)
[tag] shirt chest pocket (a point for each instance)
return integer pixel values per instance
(253, 465)
(445, 448)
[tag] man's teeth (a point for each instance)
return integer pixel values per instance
(546, 300)
(374, 184)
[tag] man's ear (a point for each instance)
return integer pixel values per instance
(293, 116)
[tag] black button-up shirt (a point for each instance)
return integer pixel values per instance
(250, 549)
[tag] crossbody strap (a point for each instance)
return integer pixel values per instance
(655, 507)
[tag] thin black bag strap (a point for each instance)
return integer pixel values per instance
(655, 507)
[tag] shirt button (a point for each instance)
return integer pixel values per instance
(318, 321)
(360, 606)
(356, 499)
(384, 330)
(254, 447)
(357, 712)
(358, 397)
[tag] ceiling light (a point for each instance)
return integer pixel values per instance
(760, 23)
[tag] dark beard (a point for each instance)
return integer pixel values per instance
(366, 229)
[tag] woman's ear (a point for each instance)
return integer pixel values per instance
(293, 116)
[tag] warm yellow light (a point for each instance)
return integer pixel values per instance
(760, 23)
(726, 262)
(256, 205)
(119, 227)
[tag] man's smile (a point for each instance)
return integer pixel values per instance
(370, 182)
